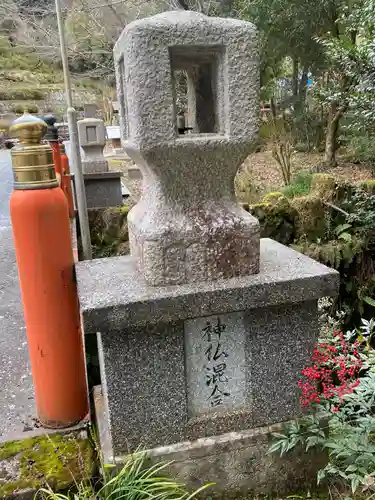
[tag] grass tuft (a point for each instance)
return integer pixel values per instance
(300, 186)
(137, 480)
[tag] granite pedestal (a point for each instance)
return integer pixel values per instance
(188, 370)
(103, 188)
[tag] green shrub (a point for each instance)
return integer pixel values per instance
(271, 127)
(109, 231)
(361, 149)
(18, 109)
(333, 224)
(299, 186)
(32, 108)
(21, 94)
(368, 185)
(339, 387)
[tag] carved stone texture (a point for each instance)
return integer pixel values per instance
(91, 133)
(188, 227)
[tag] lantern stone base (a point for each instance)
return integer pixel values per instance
(237, 462)
(160, 346)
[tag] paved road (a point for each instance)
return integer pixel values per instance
(16, 392)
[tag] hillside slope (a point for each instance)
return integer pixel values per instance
(27, 82)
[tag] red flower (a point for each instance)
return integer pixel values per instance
(334, 371)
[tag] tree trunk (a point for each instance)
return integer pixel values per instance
(302, 88)
(303, 85)
(331, 136)
(273, 108)
(295, 77)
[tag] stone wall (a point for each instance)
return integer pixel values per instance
(57, 99)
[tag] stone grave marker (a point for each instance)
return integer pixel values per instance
(103, 187)
(90, 110)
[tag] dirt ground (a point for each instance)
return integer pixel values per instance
(261, 174)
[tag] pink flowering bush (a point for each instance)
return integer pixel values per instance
(338, 390)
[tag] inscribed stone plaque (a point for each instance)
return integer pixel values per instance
(215, 363)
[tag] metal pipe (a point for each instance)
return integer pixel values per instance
(75, 155)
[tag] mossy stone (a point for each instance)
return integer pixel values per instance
(58, 460)
(276, 217)
(310, 221)
(333, 253)
(109, 231)
(276, 198)
(323, 185)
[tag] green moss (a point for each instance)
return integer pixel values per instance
(276, 217)
(332, 253)
(109, 231)
(323, 185)
(311, 217)
(274, 198)
(58, 460)
(368, 185)
(11, 448)
(122, 210)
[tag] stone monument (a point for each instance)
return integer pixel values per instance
(103, 187)
(90, 110)
(204, 328)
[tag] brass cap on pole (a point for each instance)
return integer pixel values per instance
(32, 162)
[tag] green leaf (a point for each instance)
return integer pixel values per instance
(351, 468)
(320, 476)
(370, 301)
(311, 441)
(278, 435)
(341, 228)
(346, 237)
(355, 483)
(333, 446)
(275, 447)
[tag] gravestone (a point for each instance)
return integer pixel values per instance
(90, 110)
(204, 329)
(103, 187)
(91, 133)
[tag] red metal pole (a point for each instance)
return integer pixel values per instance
(53, 140)
(41, 231)
(66, 180)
